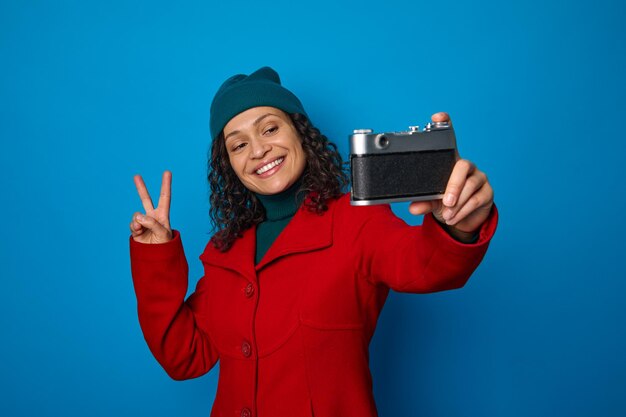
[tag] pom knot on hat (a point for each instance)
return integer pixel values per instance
(242, 92)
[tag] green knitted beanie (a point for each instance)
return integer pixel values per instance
(242, 92)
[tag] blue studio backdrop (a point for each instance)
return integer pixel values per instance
(95, 92)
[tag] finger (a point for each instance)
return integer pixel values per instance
(418, 208)
(136, 228)
(483, 199)
(462, 169)
(137, 232)
(166, 193)
(143, 193)
(473, 183)
(442, 116)
(425, 207)
(154, 226)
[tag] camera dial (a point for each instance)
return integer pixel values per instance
(436, 126)
(382, 141)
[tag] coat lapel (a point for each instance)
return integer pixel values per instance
(306, 232)
(239, 258)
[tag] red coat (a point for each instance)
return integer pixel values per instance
(292, 333)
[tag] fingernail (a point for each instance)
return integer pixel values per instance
(140, 218)
(449, 199)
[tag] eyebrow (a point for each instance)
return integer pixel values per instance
(256, 122)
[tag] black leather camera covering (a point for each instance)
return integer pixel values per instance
(394, 175)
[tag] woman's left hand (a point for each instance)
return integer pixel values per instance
(467, 200)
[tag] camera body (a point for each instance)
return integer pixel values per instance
(401, 166)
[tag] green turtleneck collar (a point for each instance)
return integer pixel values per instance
(282, 205)
(279, 209)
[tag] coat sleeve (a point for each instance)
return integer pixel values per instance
(417, 259)
(169, 323)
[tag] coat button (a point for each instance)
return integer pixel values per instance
(246, 412)
(246, 349)
(249, 291)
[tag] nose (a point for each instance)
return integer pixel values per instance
(259, 148)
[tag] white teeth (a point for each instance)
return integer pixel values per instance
(269, 166)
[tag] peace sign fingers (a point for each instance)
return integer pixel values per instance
(154, 227)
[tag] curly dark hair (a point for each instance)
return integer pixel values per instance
(234, 208)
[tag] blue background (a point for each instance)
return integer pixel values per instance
(93, 93)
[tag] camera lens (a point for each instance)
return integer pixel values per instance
(382, 141)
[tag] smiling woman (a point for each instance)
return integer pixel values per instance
(267, 154)
(265, 151)
(294, 277)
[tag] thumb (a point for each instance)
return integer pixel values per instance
(157, 229)
(418, 208)
(424, 207)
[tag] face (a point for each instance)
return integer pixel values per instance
(264, 149)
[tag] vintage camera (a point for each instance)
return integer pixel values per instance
(401, 166)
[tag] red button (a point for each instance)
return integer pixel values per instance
(249, 291)
(246, 349)
(246, 412)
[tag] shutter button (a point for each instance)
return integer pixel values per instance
(249, 291)
(246, 349)
(246, 412)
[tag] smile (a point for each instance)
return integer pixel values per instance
(269, 166)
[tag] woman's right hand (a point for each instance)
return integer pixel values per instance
(154, 225)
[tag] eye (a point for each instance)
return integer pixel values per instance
(238, 147)
(271, 130)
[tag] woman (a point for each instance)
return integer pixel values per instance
(295, 277)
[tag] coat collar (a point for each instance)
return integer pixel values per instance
(307, 231)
